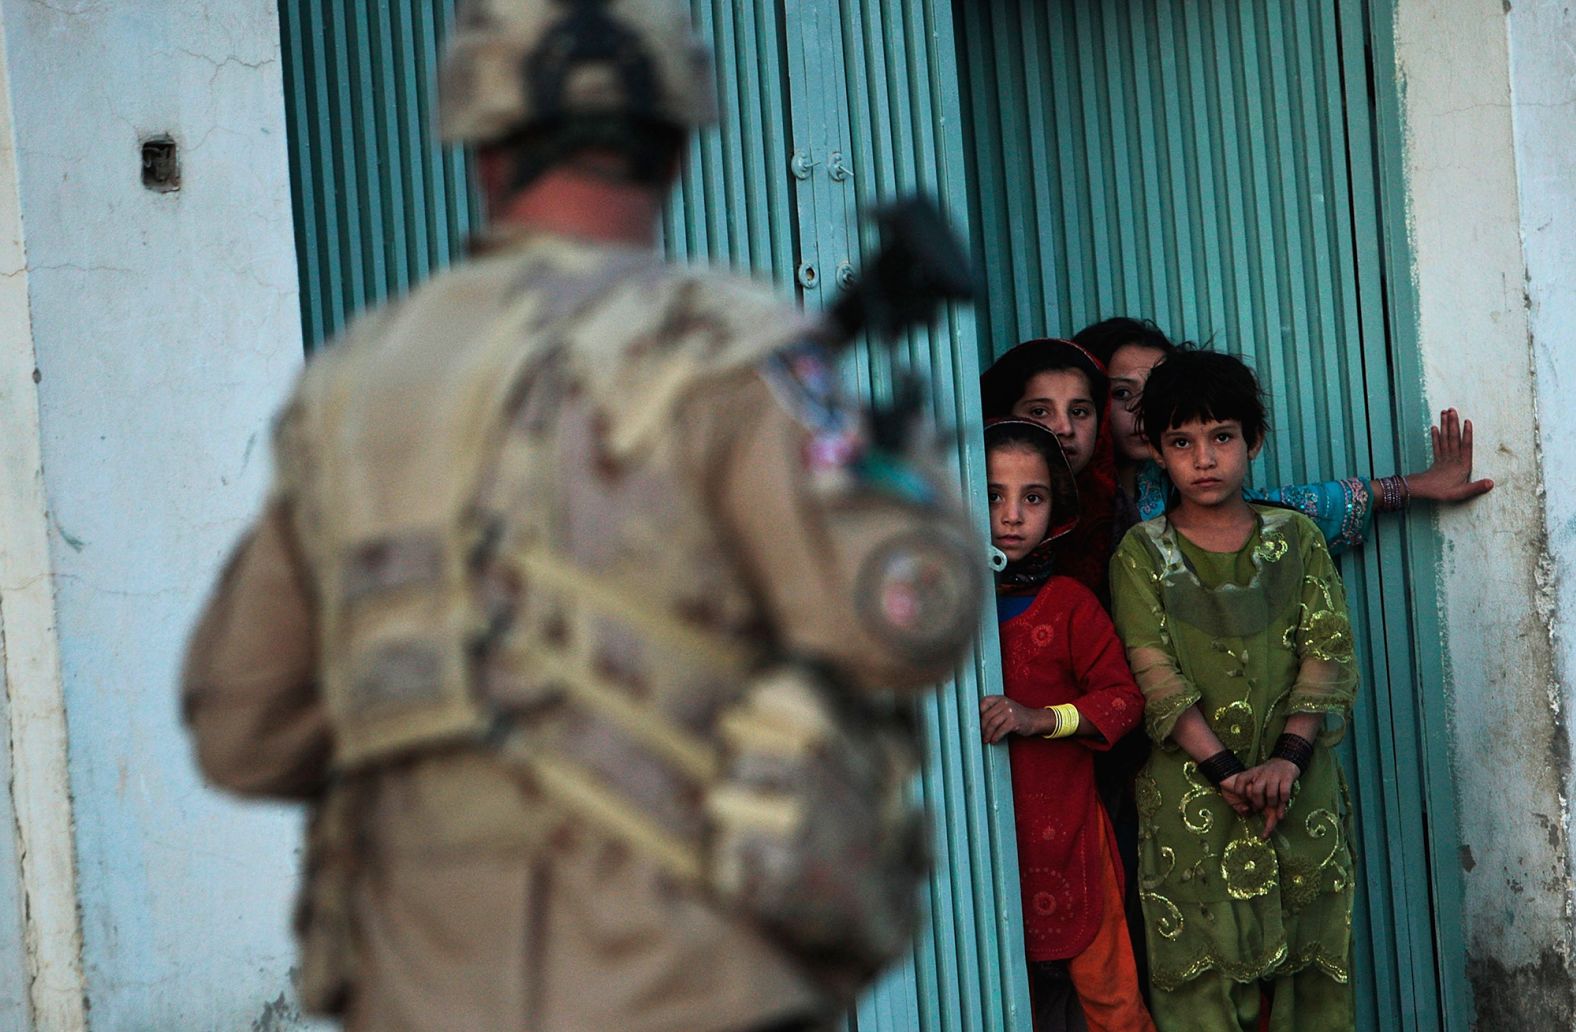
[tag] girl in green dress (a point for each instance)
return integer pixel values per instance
(1235, 624)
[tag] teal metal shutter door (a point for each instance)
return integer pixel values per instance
(1213, 164)
(379, 204)
(734, 202)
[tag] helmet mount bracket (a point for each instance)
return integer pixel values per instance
(588, 35)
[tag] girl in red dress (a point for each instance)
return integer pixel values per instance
(1068, 694)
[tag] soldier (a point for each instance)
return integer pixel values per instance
(580, 603)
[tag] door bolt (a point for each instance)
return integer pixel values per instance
(835, 168)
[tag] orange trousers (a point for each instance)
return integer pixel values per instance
(1105, 975)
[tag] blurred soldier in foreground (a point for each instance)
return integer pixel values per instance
(579, 601)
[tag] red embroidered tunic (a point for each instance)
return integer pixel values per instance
(1064, 649)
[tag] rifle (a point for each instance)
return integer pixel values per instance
(921, 266)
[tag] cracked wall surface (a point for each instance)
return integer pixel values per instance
(1543, 110)
(15, 1010)
(1507, 700)
(167, 330)
(44, 990)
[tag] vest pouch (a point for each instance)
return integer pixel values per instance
(815, 831)
(323, 919)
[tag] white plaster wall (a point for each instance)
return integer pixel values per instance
(166, 329)
(1543, 84)
(1511, 754)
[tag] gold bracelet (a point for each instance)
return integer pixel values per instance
(1067, 719)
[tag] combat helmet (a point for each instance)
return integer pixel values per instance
(512, 65)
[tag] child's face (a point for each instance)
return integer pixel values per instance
(1061, 399)
(1207, 460)
(1020, 499)
(1130, 366)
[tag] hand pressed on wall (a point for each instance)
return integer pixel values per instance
(1449, 479)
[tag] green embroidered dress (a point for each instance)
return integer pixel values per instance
(1250, 637)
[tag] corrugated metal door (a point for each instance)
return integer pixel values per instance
(1215, 164)
(865, 95)
(379, 204)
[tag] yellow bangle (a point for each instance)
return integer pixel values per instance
(1067, 719)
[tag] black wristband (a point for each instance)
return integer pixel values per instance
(1220, 766)
(1295, 748)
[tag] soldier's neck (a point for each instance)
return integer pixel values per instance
(571, 203)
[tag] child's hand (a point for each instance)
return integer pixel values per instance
(1268, 789)
(1449, 479)
(1000, 717)
(1231, 790)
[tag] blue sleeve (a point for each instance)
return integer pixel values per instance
(1154, 490)
(1342, 509)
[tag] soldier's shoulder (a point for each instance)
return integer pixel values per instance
(733, 309)
(663, 332)
(763, 335)
(749, 293)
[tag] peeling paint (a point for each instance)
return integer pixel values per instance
(278, 1015)
(1543, 82)
(1528, 996)
(1550, 428)
(1551, 827)
(76, 543)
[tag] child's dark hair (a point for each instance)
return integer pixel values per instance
(1021, 433)
(1028, 435)
(1008, 377)
(1102, 339)
(1203, 385)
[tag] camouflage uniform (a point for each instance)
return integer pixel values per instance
(514, 621)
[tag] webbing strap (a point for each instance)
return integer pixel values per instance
(644, 723)
(579, 792)
(613, 598)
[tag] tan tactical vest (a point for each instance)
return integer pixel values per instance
(535, 370)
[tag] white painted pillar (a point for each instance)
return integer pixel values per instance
(1511, 755)
(44, 870)
(1543, 109)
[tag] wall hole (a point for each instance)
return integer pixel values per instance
(161, 164)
